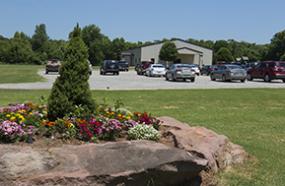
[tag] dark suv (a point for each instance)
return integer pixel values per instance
(123, 66)
(141, 68)
(268, 70)
(53, 65)
(109, 66)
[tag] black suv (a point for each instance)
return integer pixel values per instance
(109, 66)
(123, 66)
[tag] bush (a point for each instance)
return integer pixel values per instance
(71, 88)
(143, 132)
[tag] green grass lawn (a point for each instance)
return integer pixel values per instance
(253, 118)
(19, 73)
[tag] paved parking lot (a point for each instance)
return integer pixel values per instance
(131, 81)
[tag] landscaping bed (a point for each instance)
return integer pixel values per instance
(29, 122)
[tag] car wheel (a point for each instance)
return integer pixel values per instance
(118, 73)
(249, 77)
(184, 79)
(267, 78)
(46, 71)
(224, 78)
(193, 80)
(166, 78)
(283, 80)
(212, 77)
(243, 80)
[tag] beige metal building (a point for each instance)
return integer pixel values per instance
(187, 53)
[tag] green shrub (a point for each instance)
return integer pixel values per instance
(143, 132)
(71, 88)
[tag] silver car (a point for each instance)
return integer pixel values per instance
(180, 71)
(228, 73)
(155, 70)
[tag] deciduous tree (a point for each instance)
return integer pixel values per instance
(168, 52)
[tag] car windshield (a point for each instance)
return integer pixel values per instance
(111, 63)
(158, 66)
(234, 67)
(282, 65)
(183, 66)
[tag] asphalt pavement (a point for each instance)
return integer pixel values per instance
(131, 81)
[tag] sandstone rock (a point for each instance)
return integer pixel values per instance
(217, 149)
(116, 163)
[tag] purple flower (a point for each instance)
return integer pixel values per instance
(130, 123)
(11, 129)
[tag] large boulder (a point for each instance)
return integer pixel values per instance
(137, 163)
(179, 159)
(217, 149)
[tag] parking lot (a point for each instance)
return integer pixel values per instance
(131, 81)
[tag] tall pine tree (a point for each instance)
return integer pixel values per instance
(71, 88)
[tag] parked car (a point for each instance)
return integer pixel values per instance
(207, 69)
(53, 65)
(228, 73)
(180, 71)
(141, 68)
(109, 66)
(123, 66)
(268, 71)
(196, 68)
(155, 70)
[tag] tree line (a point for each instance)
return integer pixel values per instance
(23, 49)
(230, 50)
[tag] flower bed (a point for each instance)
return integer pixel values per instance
(27, 122)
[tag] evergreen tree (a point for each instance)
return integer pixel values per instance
(168, 51)
(71, 88)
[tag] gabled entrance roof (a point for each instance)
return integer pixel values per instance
(186, 50)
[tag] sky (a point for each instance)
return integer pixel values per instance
(147, 20)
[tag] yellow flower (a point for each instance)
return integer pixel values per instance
(22, 111)
(128, 117)
(13, 118)
(71, 125)
(8, 115)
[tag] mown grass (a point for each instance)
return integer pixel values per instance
(253, 118)
(19, 73)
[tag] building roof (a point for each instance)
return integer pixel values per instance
(173, 39)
